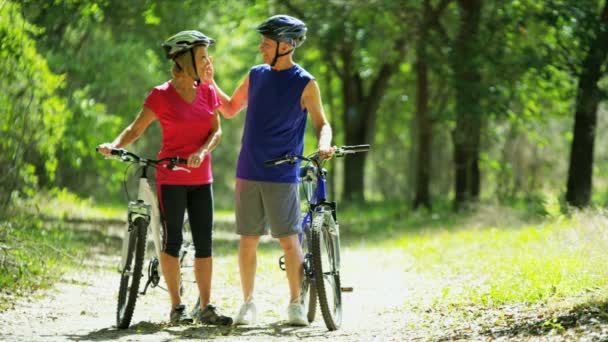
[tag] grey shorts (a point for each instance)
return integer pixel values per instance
(263, 206)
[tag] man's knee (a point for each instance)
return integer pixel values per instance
(248, 243)
(290, 243)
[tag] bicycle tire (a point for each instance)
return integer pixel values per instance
(309, 293)
(127, 293)
(327, 278)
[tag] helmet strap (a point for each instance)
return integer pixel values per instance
(196, 77)
(277, 54)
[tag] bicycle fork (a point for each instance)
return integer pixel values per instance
(137, 209)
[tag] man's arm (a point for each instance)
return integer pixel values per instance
(311, 100)
(231, 106)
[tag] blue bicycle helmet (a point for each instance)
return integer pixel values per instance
(283, 28)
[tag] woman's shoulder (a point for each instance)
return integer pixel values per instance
(164, 87)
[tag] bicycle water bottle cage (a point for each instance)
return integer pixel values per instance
(138, 209)
(282, 262)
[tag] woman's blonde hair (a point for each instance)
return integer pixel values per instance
(183, 63)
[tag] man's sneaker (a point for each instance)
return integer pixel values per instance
(210, 315)
(179, 315)
(296, 315)
(247, 314)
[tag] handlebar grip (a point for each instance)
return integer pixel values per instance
(356, 148)
(117, 152)
(273, 162)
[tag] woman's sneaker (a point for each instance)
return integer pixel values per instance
(296, 315)
(179, 315)
(247, 314)
(210, 315)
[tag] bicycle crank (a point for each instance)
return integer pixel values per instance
(346, 289)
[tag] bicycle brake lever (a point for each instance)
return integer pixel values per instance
(179, 168)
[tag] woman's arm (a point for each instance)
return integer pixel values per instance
(131, 132)
(215, 135)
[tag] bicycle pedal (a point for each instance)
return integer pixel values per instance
(346, 289)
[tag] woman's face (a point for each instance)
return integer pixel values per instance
(201, 55)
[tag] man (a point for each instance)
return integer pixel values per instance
(278, 95)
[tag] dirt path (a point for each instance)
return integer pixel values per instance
(81, 307)
(390, 303)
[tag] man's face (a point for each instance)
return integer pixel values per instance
(268, 47)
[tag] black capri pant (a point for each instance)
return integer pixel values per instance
(198, 200)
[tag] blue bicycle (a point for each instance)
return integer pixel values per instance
(320, 238)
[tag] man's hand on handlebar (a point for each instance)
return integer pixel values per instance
(326, 152)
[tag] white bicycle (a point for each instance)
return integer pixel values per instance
(144, 213)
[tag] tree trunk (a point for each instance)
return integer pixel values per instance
(354, 134)
(360, 112)
(580, 171)
(424, 125)
(466, 136)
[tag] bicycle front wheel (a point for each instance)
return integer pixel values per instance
(131, 274)
(309, 293)
(325, 252)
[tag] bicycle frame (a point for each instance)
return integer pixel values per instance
(317, 203)
(146, 206)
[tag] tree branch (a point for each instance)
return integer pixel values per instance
(435, 23)
(379, 85)
(291, 7)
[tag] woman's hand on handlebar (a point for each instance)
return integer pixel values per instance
(105, 149)
(196, 158)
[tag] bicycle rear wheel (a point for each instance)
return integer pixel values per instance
(188, 287)
(131, 274)
(325, 252)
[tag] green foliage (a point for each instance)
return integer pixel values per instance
(32, 117)
(33, 253)
(93, 62)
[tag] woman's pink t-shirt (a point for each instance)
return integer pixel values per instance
(185, 127)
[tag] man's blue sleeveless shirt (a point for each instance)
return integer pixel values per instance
(274, 124)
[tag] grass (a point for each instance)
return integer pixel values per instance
(37, 244)
(497, 265)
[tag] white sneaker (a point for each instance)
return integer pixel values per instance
(296, 315)
(247, 314)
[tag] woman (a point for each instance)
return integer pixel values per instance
(186, 110)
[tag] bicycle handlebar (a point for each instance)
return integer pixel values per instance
(339, 152)
(355, 148)
(130, 157)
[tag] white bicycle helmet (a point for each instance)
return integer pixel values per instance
(183, 42)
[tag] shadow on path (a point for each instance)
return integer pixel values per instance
(578, 321)
(277, 329)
